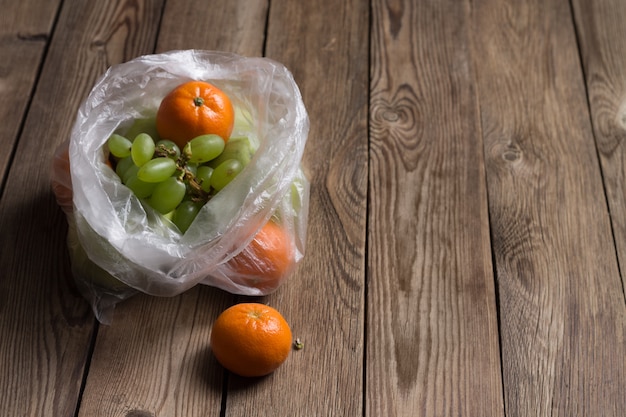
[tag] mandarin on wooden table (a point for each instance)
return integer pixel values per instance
(251, 339)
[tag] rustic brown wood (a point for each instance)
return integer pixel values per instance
(322, 44)
(154, 359)
(561, 305)
(46, 327)
(229, 26)
(432, 320)
(453, 146)
(25, 28)
(601, 32)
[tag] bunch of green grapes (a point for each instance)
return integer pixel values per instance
(175, 182)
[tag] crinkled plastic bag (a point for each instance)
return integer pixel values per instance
(118, 246)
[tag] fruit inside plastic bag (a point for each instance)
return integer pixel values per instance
(120, 245)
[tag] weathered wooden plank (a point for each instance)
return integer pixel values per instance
(230, 26)
(155, 359)
(601, 32)
(25, 28)
(561, 305)
(46, 326)
(324, 44)
(432, 346)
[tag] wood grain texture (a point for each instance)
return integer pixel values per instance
(46, 326)
(432, 346)
(322, 43)
(601, 32)
(155, 358)
(561, 304)
(25, 29)
(466, 239)
(221, 26)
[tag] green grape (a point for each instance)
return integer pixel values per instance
(119, 146)
(236, 148)
(203, 175)
(147, 125)
(157, 170)
(185, 213)
(225, 172)
(130, 172)
(123, 165)
(169, 215)
(142, 149)
(140, 188)
(172, 149)
(204, 148)
(167, 195)
(192, 168)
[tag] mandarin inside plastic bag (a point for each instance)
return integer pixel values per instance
(119, 246)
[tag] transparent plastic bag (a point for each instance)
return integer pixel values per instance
(119, 246)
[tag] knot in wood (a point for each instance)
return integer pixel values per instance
(399, 113)
(512, 152)
(511, 155)
(390, 116)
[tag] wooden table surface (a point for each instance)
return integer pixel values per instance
(467, 229)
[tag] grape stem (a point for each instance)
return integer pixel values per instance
(186, 175)
(198, 194)
(162, 150)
